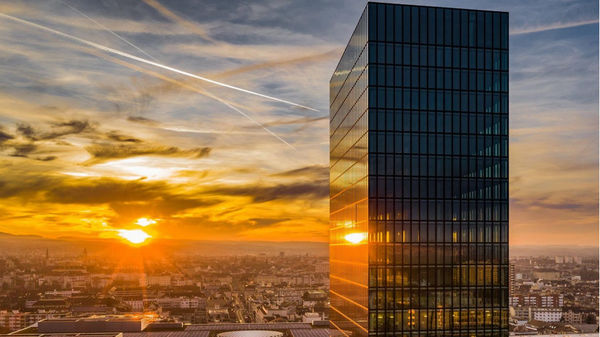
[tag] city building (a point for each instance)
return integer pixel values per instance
(547, 274)
(511, 279)
(573, 317)
(419, 174)
(542, 301)
(92, 324)
(546, 314)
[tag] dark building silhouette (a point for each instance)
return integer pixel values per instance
(419, 174)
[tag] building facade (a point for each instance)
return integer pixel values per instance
(419, 174)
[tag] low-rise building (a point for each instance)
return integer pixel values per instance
(546, 314)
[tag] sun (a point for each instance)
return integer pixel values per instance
(134, 236)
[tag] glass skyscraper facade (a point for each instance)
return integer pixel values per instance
(419, 174)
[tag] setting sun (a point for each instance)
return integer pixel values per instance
(135, 236)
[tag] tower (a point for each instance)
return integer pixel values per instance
(419, 174)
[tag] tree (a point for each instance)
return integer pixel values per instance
(590, 319)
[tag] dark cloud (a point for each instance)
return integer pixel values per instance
(103, 190)
(26, 186)
(163, 206)
(30, 137)
(104, 152)
(118, 137)
(317, 189)
(202, 225)
(26, 131)
(313, 172)
(57, 130)
(266, 222)
(46, 158)
(5, 136)
(116, 146)
(584, 205)
(23, 149)
(70, 127)
(142, 120)
(129, 199)
(70, 190)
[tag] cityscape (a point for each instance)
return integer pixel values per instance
(206, 168)
(548, 294)
(188, 289)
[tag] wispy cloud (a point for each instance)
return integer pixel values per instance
(537, 29)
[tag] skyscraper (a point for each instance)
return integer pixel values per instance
(419, 174)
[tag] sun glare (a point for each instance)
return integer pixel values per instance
(355, 238)
(134, 236)
(145, 222)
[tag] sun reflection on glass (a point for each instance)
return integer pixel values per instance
(355, 238)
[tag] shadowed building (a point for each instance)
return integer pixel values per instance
(419, 174)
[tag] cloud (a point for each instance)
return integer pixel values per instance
(23, 149)
(163, 206)
(317, 190)
(105, 152)
(266, 222)
(126, 199)
(58, 129)
(116, 136)
(103, 190)
(5, 136)
(560, 25)
(313, 172)
(142, 120)
(47, 158)
(550, 202)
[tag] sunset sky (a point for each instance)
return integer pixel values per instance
(90, 141)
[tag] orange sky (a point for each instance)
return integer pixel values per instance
(90, 143)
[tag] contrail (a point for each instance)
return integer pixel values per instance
(176, 18)
(163, 87)
(203, 92)
(142, 60)
(198, 90)
(108, 30)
